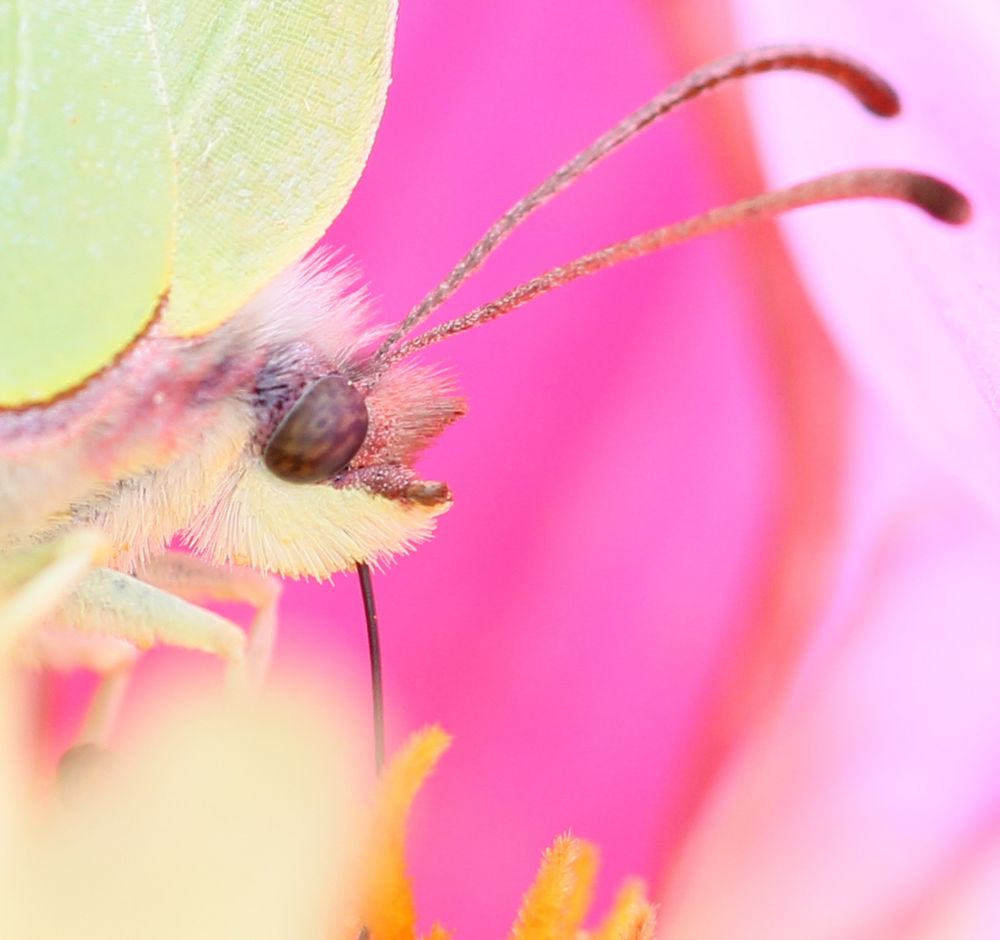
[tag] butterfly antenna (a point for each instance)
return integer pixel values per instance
(869, 89)
(937, 198)
(375, 658)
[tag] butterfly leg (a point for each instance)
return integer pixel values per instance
(173, 583)
(109, 604)
(112, 659)
(35, 579)
(196, 580)
(117, 604)
(63, 649)
(57, 610)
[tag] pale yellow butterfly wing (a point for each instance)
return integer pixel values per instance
(86, 191)
(275, 106)
(240, 126)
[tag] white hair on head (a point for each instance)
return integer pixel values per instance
(320, 300)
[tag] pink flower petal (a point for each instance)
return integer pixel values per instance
(912, 305)
(869, 804)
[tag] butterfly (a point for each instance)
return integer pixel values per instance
(190, 375)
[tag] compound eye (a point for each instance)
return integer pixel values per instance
(320, 435)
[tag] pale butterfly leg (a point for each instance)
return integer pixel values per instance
(63, 649)
(35, 579)
(104, 706)
(112, 659)
(196, 580)
(170, 581)
(107, 617)
(110, 602)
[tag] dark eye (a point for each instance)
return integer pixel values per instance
(324, 430)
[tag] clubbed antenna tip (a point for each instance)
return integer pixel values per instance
(939, 199)
(871, 90)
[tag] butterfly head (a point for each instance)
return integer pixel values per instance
(328, 478)
(346, 429)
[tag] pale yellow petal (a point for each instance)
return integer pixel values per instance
(388, 909)
(222, 822)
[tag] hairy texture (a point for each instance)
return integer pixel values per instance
(269, 524)
(555, 904)
(408, 409)
(170, 442)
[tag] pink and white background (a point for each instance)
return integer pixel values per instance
(720, 590)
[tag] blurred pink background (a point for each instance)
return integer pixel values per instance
(612, 480)
(704, 597)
